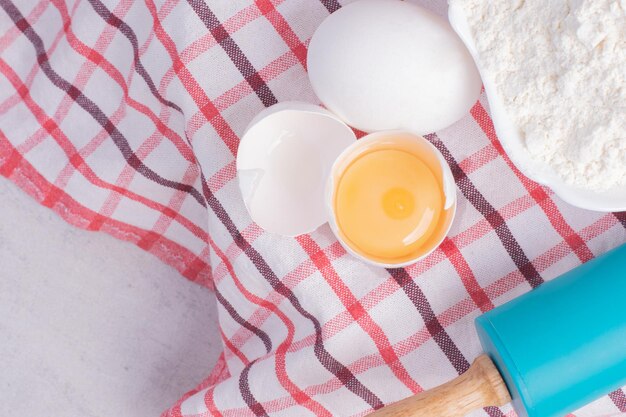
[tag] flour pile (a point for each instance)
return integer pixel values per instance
(560, 68)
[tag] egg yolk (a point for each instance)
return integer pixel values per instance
(388, 204)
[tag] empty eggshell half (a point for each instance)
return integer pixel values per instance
(283, 162)
(390, 64)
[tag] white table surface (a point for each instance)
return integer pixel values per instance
(91, 326)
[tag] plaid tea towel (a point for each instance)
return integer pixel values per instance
(124, 116)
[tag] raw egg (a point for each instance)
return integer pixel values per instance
(389, 197)
(390, 64)
(392, 198)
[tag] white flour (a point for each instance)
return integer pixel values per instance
(560, 67)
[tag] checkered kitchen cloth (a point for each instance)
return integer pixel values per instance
(124, 116)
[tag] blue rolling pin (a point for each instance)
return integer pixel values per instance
(555, 349)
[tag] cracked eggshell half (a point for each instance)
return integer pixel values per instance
(435, 161)
(389, 64)
(283, 162)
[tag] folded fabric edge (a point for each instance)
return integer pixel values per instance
(17, 169)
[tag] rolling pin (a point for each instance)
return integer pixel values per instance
(550, 351)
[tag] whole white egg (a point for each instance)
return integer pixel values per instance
(390, 64)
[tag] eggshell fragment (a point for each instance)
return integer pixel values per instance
(283, 163)
(390, 64)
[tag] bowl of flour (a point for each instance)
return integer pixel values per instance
(555, 77)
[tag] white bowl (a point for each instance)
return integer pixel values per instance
(613, 199)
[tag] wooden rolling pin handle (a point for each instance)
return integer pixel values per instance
(481, 386)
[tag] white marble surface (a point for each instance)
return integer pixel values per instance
(91, 326)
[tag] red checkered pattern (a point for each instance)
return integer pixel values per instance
(125, 117)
